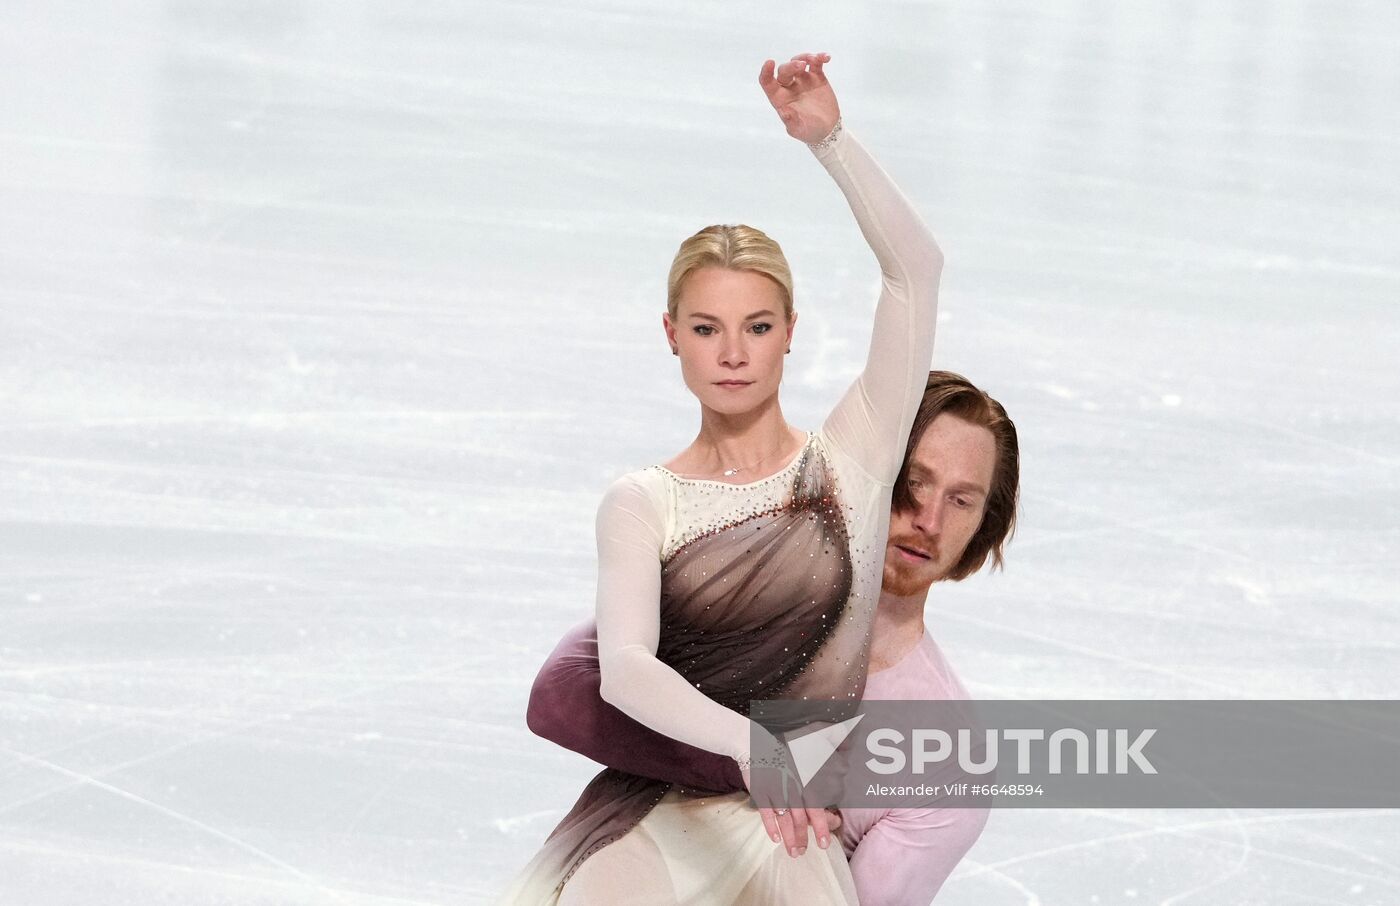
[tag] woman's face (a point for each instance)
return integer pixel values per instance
(731, 335)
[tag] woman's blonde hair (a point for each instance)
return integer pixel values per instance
(734, 246)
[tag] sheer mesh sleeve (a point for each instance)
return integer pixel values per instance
(630, 537)
(871, 423)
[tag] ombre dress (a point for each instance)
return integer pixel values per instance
(765, 590)
(897, 855)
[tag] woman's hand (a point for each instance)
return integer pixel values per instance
(789, 825)
(802, 96)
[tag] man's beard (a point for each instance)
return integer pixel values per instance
(904, 583)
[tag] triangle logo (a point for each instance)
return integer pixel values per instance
(812, 751)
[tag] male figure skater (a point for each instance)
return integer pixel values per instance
(953, 508)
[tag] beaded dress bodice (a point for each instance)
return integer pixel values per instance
(752, 592)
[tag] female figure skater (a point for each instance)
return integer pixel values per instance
(747, 567)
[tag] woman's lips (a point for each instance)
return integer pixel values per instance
(733, 385)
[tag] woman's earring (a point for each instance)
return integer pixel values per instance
(675, 351)
(789, 351)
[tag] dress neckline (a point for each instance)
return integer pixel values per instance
(796, 457)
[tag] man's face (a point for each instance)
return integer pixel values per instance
(950, 476)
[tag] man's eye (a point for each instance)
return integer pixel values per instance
(761, 328)
(704, 330)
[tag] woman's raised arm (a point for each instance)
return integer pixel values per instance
(871, 423)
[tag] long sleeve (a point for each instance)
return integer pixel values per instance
(871, 423)
(630, 537)
(908, 854)
(567, 709)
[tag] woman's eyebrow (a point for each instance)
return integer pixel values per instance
(758, 314)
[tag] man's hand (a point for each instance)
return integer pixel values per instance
(802, 96)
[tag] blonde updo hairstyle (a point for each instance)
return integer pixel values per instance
(733, 246)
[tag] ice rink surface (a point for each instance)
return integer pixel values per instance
(323, 326)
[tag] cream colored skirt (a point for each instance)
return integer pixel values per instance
(698, 852)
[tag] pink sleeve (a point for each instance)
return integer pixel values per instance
(907, 854)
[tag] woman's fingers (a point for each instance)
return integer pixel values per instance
(795, 70)
(799, 831)
(777, 820)
(816, 817)
(766, 77)
(785, 76)
(789, 74)
(788, 831)
(770, 824)
(813, 62)
(790, 826)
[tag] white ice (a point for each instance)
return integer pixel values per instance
(324, 325)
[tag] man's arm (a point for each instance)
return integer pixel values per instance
(907, 854)
(567, 709)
